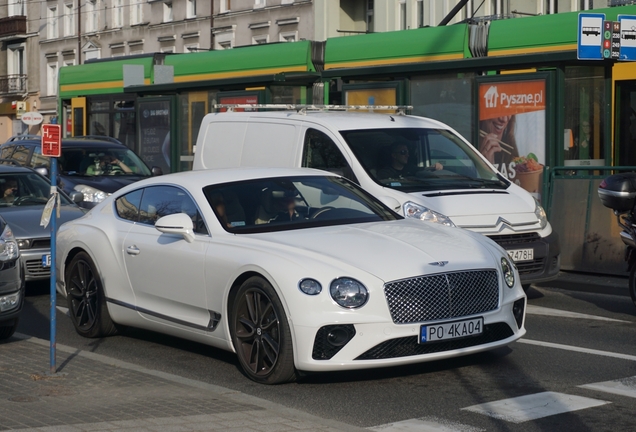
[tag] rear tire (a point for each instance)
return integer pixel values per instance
(261, 334)
(86, 299)
(632, 284)
(6, 331)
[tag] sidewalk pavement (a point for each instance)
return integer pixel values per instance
(588, 282)
(92, 392)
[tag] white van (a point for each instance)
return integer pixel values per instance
(442, 179)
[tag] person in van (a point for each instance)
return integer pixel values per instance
(399, 166)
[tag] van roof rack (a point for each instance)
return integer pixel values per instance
(302, 109)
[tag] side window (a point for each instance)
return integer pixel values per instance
(320, 152)
(159, 201)
(6, 152)
(127, 206)
(37, 160)
(21, 154)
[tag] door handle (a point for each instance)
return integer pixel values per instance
(132, 250)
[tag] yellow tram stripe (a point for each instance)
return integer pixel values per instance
(401, 60)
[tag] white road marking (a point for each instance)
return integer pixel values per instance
(578, 349)
(63, 310)
(531, 407)
(623, 387)
(425, 424)
(540, 310)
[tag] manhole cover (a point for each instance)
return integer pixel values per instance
(23, 399)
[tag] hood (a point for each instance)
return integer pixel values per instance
(106, 183)
(25, 221)
(389, 250)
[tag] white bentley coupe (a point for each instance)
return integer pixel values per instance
(292, 269)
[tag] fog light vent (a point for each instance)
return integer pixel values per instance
(518, 308)
(330, 339)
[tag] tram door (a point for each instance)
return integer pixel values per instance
(78, 116)
(625, 130)
(198, 108)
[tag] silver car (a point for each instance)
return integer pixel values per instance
(23, 195)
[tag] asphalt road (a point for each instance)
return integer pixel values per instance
(560, 353)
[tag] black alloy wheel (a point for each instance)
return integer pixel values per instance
(261, 333)
(86, 301)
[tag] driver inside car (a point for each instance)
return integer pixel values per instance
(10, 191)
(106, 164)
(285, 202)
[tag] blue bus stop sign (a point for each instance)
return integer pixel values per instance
(628, 37)
(590, 37)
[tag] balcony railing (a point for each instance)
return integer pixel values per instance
(13, 26)
(13, 84)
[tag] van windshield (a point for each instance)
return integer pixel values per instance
(418, 159)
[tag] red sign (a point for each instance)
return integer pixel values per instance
(51, 140)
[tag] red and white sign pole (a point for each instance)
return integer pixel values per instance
(52, 147)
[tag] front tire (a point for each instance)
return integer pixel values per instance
(86, 300)
(6, 331)
(260, 333)
(632, 284)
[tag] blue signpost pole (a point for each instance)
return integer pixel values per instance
(53, 253)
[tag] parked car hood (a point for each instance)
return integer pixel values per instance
(106, 183)
(390, 250)
(25, 220)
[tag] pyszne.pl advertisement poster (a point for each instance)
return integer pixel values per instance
(512, 121)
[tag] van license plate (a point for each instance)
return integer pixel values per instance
(451, 330)
(46, 260)
(519, 255)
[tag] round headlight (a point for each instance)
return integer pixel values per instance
(310, 286)
(508, 272)
(348, 293)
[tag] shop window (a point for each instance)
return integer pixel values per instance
(584, 142)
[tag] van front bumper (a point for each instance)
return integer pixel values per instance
(546, 255)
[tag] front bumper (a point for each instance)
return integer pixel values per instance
(376, 344)
(10, 282)
(547, 261)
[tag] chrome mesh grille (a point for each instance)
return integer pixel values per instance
(442, 296)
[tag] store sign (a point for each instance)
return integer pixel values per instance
(238, 100)
(32, 118)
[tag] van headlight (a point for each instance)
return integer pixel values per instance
(91, 194)
(508, 272)
(413, 210)
(8, 246)
(348, 292)
(540, 214)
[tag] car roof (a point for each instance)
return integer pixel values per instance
(342, 120)
(75, 142)
(13, 169)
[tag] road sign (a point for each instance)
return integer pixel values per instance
(51, 140)
(628, 37)
(32, 118)
(590, 38)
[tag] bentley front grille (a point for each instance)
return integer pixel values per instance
(442, 296)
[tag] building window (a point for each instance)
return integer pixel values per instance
(51, 79)
(51, 22)
(191, 48)
(69, 20)
(167, 12)
(136, 12)
(370, 16)
(420, 13)
(224, 39)
(288, 36)
(225, 6)
(259, 4)
(260, 39)
(91, 15)
(191, 9)
(287, 1)
(118, 13)
(402, 14)
(16, 8)
(15, 60)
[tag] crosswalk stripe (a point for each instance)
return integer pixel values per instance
(540, 310)
(577, 349)
(426, 424)
(534, 406)
(623, 387)
(62, 309)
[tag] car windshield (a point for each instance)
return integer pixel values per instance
(277, 204)
(101, 161)
(25, 189)
(420, 159)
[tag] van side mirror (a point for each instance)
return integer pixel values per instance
(43, 171)
(177, 223)
(156, 171)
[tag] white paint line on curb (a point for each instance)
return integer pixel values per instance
(425, 424)
(530, 407)
(578, 349)
(540, 310)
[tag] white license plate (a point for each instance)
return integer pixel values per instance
(46, 260)
(451, 330)
(518, 255)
